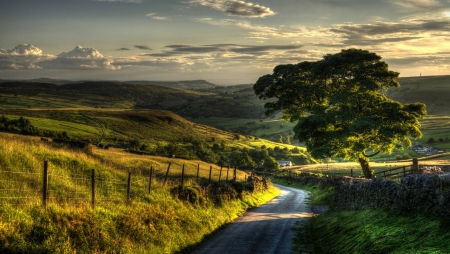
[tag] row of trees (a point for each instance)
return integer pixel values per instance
(432, 140)
(24, 126)
(221, 154)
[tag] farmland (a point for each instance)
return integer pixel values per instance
(213, 123)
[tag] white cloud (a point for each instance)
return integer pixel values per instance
(237, 8)
(24, 56)
(419, 4)
(23, 49)
(80, 52)
(239, 24)
(80, 58)
(153, 16)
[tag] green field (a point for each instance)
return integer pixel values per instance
(234, 109)
(159, 221)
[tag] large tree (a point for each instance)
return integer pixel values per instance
(340, 106)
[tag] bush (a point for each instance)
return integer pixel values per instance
(186, 193)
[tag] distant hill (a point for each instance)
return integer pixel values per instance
(434, 91)
(148, 125)
(185, 84)
(101, 94)
(41, 80)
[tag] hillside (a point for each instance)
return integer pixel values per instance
(146, 125)
(118, 223)
(91, 94)
(184, 84)
(434, 91)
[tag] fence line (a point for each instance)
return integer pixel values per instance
(19, 187)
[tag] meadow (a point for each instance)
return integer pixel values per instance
(158, 222)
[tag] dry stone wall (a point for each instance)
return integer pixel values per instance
(420, 192)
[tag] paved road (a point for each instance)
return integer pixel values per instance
(266, 229)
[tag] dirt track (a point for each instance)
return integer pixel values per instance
(266, 229)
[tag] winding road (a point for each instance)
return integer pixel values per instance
(266, 229)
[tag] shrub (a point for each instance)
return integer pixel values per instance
(186, 193)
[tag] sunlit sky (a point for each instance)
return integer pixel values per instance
(225, 42)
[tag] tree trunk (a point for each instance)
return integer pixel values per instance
(365, 167)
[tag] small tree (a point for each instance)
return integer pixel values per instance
(340, 106)
(270, 163)
(430, 141)
(238, 158)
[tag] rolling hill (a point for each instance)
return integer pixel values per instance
(434, 91)
(92, 94)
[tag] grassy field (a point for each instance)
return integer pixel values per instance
(157, 222)
(432, 90)
(368, 231)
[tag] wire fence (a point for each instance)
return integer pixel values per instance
(23, 187)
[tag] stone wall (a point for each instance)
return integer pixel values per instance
(413, 193)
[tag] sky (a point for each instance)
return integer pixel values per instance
(225, 42)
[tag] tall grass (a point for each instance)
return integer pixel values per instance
(153, 223)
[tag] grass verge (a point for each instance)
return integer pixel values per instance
(368, 231)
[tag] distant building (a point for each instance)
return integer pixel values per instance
(285, 163)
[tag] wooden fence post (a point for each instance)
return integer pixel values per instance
(93, 188)
(234, 174)
(210, 172)
(150, 180)
(45, 185)
(351, 172)
(220, 174)
(415, 166)
(182, 176)
(198, 172)
(228, 169)
(404, 171)
(167, 174)
(129, 188)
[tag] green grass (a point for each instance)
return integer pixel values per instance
(378, 231)
(155, 223)
(368, 231)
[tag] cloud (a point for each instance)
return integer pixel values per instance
(180, 49)
(142, 47)
(79, 58)
(237, 8)
(419, 4)
(152, 15)
(238, 24)
(384, 32)
(123, 49)
(24, 56)
(120, 1)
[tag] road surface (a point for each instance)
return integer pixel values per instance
(266, 229)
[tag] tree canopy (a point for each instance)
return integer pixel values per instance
(270, 163)
(340, 106)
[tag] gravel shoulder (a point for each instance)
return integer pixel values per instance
(266, 229)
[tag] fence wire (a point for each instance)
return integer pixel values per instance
(21, 187)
